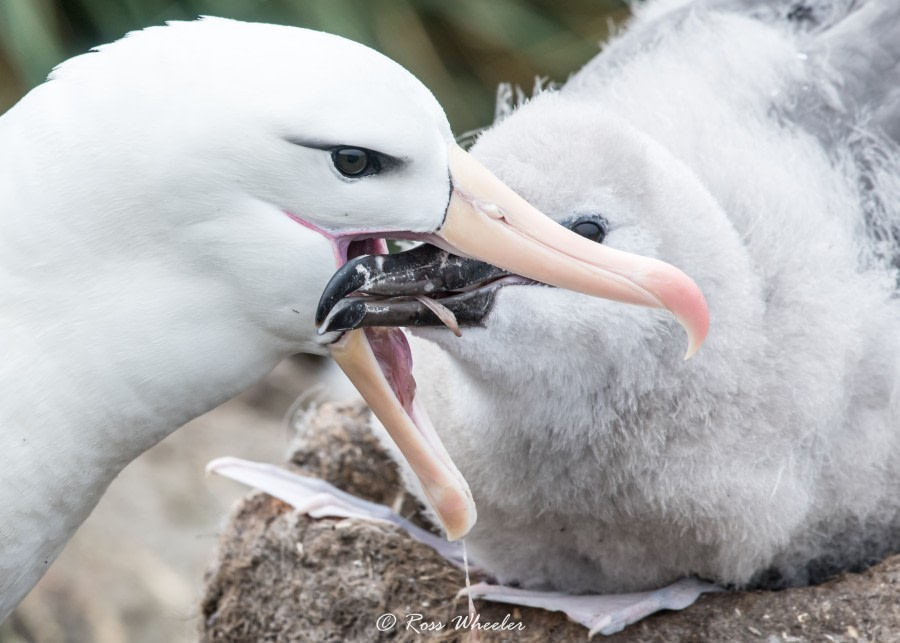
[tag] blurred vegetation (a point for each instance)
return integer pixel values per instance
(461, 49)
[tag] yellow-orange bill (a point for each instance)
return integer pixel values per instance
(488, 221)
(417, 440)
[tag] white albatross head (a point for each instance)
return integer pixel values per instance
(237, 165)
(219, 137)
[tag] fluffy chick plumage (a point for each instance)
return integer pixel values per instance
(741, 142)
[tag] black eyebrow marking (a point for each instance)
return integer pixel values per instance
(313, 144)
(387, 161)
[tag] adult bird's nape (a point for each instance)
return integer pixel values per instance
(757, 146)
(171, 207)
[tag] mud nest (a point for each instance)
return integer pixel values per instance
(280, 576)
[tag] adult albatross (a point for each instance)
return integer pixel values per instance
(757, 146)
(171, 207)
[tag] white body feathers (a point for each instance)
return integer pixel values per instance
(149, 268)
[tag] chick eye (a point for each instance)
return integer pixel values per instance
(354, 162)
(592, 227)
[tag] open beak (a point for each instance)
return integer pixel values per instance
(378, 363)
(487, 221)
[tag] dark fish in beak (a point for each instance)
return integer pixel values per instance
(394, 286)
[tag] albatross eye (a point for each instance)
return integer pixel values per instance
(593, 228)
(354, 162)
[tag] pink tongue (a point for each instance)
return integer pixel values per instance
(394, 356)
(443, 484)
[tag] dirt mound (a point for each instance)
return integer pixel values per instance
(280, 576)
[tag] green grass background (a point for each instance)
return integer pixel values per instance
(461, 49)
